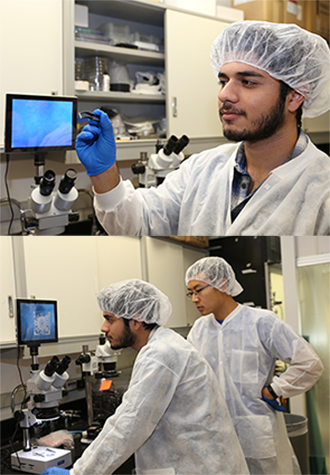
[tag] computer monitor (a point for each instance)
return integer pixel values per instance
(40, 123)
(36, 321)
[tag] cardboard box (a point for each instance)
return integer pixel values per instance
(317, 14)
(294, 12)
(262, 10)
(278, 11)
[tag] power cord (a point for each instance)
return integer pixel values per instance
(23, 403)
(8, 195)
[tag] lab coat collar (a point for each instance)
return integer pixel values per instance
(229, 317)
(152, 333)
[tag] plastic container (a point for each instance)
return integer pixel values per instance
(116, 33)
(84, 34)
(297, 429)
(119, 75)
(95, 67)
(105, 397)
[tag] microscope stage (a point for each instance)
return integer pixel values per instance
(38, 459)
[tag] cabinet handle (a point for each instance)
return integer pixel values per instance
(174, 107)
(10, 306)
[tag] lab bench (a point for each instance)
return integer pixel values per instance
(75, 425)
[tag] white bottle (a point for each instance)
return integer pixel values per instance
(106, 81)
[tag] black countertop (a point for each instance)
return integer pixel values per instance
(76, 426)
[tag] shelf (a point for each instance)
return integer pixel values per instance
(128, 55)
(149, 12)
(94, 96)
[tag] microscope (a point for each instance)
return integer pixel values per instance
(43, 393)
(152, 171)
(50, 211)
(98, 371)
(39, 410)
(38, 124)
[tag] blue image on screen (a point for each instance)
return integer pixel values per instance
(38, 322)
(41, 123)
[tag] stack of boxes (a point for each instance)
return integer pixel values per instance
(313, 15)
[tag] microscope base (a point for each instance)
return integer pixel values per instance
(39, 459)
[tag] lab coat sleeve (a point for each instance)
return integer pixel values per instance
(322, 225)
(150, 392)
(137, 212)
(305, 367)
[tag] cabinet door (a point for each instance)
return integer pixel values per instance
(7, 288)
(166, 266)
(64, 268)
(191, 86)
(165, 271)
(118, 258)
(31, 48)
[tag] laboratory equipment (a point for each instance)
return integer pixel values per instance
(40, 123)
(152, 171)
(49, 212)
(37, 324)
(36, 321)
(101, 396)
(120, 79)
(85, 115)
(95, 67)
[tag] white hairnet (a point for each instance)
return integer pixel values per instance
(136, 299)
(286, 52)
(216, 272)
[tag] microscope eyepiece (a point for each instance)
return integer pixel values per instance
(183, 141)
(170, 146)
(68, 180)
(63, 365)
(51, 366)
(47, 183)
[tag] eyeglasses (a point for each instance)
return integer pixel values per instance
(196, 292)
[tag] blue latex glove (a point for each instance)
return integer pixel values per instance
(96, 146)
(274, 403)
(56, 471)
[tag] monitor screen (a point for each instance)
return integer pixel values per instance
(40, 123)
(36, 321)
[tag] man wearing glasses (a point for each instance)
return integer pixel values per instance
(241, 345)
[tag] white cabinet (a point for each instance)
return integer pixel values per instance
(7, 290)
(192, 105)
(118, 258)
(31, 49)
(167, 263)
(72, 269)
(65, 269)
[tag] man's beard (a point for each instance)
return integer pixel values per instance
(262, 128)
(125, 341)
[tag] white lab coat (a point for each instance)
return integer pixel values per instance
(242, 352)
(196, 200)
(173, 417)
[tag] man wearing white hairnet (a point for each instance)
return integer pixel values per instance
(173, 416)
(274, 181)
(242, 345)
